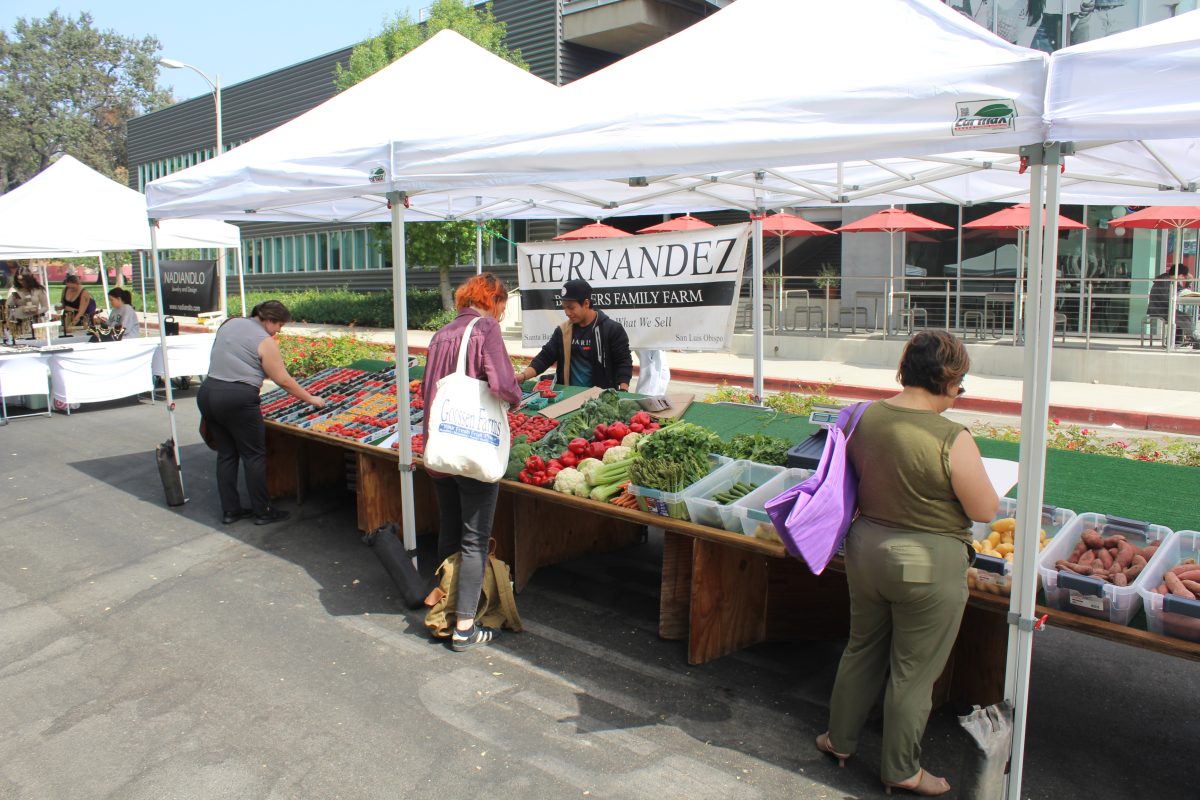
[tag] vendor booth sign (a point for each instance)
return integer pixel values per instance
(189, 287)
(671, 291)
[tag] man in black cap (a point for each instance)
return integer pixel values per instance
(599, 352)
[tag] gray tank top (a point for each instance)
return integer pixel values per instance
(235, 352)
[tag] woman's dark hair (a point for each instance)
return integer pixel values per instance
(28, 280)
(71, 279)
(484, 291)
(123, 294)
(933, 360)
(271, 311)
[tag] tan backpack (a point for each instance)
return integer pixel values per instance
(497, 604)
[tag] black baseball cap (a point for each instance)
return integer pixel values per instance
(577, 290)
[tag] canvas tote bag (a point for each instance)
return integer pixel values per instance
(468, 425)
(812, 517)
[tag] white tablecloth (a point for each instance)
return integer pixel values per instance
(92, 373)
(24, 373)
(188, 354)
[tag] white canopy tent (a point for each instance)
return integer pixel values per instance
(70, 210)
(362, 144)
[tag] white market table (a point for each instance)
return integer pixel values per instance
(24, 374)
(95, 372)
(187, 354)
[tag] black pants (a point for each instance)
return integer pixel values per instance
(235, 420)
(467, 508)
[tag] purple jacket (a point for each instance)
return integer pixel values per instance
(487, 359)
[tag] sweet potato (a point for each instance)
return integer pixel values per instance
(1092, 539)
(1138, 560)
(1087, 558)
(1114, 540)
(1133, 571)
(1105, 558)
(1066, 566)
(1125, 554)
(1079, 550)
(1189, 570)
(1176, 587)
(1190, 575)
(1120, 580)
(1149, 550)
(1191, 586)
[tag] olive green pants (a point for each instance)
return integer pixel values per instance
(907, 594)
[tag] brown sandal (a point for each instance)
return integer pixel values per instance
(826, 747)
(924, 784)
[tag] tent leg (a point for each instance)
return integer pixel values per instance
(162, 343)
(757, 315)
(1039, 336)
(104, 283)
(400, 313)
(241, 268)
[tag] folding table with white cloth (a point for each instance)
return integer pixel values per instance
(95, 372)
(24, 374)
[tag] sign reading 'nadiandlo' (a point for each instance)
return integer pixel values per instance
(674, 291)
(189, 287)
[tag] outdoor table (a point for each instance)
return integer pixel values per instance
(720, 591)
(188, 354)
(99, 371)
(24, 373)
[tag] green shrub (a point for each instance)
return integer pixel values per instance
(345, 307)
(442, 317)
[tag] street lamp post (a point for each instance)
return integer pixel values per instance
(215, 83)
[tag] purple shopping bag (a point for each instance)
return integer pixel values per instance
(812, 517)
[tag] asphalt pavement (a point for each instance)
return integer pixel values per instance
(152, 653)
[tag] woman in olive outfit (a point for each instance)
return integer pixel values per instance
(243, 354)
(921, 482)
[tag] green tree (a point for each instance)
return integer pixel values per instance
(67, 87)
(430, 244)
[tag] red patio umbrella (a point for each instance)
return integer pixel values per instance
(594, 230)
(685, 223)
(891, 221)
(1162, 218)
(783, 224)
(1016, 218)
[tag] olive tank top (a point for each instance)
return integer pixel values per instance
(902, 457)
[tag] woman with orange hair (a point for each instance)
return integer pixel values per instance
(467, 506)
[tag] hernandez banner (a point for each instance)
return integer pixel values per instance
(189, 287)
(671, 291)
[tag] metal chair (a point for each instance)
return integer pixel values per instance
(973, 319)
(854, 312)
(808, 312)
(1153, 327)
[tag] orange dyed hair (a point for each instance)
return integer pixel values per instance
(484, 291)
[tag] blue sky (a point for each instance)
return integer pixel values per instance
(237, 40)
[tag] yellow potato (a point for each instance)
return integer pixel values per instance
(1007, 524)
(993, 538)
(1004, 548)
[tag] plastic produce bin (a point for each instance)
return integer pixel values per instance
(994, 575)
(749, 510)
(704, 510)
(670, 504)
(1090, 596)
(1167, 614)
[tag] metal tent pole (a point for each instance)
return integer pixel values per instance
(104, 283)
(478, 247)
(397, 200)
(162, 343)
(241, 268)
(756, 311)
(1035, 405)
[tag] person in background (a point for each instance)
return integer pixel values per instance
(921, 481)
(599, 345)
(76, 300)
(243, 354)
(1160, 303)
(467, 506)
(123, 315)
(28, 302)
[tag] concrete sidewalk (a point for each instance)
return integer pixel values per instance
(1131, 407)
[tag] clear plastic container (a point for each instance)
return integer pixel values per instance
(1166, 614)
(749, 510)
(1094, 597)
(671, 504)
(994, 575)
(704, 510)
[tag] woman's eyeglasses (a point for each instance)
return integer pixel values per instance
(961, 389)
